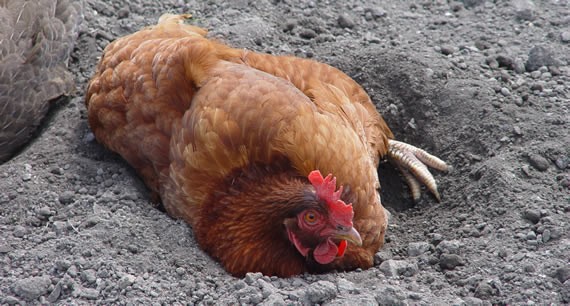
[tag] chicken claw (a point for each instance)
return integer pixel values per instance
(413, 163)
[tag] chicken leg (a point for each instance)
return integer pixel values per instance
(413, 163)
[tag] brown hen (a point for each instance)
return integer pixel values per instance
(234, 142)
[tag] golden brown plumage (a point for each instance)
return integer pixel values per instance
(227, 138)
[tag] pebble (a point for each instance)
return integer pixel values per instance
(393, 267)
(505, 91)
(66, 197)
(562, 274)
(473, 301)
(538, 162)
(274, 300)
(19, 231)
(446, 50)
(126, 280)
(89, 276)
(390, 295)
(89, 293)
(562, 162)
(449, 246)
(418, 248)
(308, 34)
(382, 256)
(450, 261)
(345, 21)
(531, 235)
(540, 56)
(546, 234)
(487, 289)
(320, 292)
(524, 9)
(32, 288)
(565, 37)
(345, 286)
(533, 215)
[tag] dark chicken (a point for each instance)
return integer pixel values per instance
(234, 142)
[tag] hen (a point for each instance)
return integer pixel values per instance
(36, 37)
(234, 142)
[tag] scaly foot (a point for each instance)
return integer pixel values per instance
(413, 163)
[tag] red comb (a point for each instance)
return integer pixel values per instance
(325, 188)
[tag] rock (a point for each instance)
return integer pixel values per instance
(418, 248)
(473, 301)
(472, 3)
(486, 289)
(450, 261)
(382, 256)
(89, 276)
(505, 62)
(446, 50)
(345, 286)
(449, 246)
(562, 274)
(505, 91)
(308, 34)
(562, 162)
(321, 292)
(274, 300)
(532, 215)
(126, 281)
(344, 21)
(20, 231)
(55, 293)
(89, 293)
(388, 295)
(251, 278)
(565, 37)
(393, 268)
(524, 9)
(66, 197)
(32, 288)
(540, 56)
(538, 162)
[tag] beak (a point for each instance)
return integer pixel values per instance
(351, 235)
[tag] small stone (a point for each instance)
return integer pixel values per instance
(418, 248)
(393, 267)
(32, 288)
(251, 277)
(308, 34)
(472, 3)
(533, 215)
(66, 197)
(538, 162)
(450, 261)
(449, 246)
(390, 295)
(524, 9)
(89, 293)
(546, 234)
(446, 50)
(19, 231)
(55, 293)
(505, 91)
(321, 291)
(123, 13)
(562, 162)
(540, 56)
(562, 274)
(89, 276)
(487, 289)
(531, 235)
(180, 271)
(382, 256)
(344, 21)
(473, 301)
(506, 62)
(565, 37)
(126, 281)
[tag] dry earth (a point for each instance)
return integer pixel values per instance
(483, 84)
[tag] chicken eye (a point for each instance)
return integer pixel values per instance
(310, 217)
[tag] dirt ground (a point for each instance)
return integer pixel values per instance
(485, 85)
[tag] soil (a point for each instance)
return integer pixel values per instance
(485, 85)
